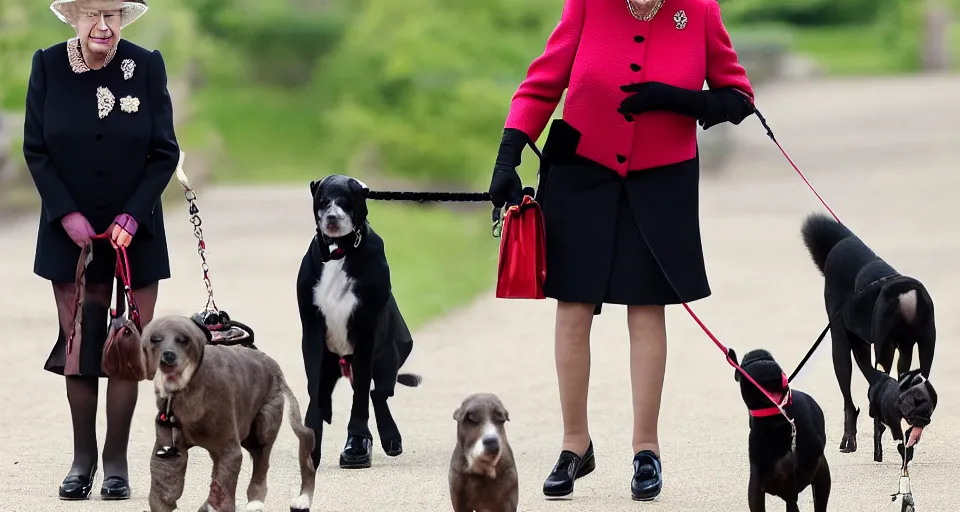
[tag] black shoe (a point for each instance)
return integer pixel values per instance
(392, 447)
(569, 468)
(115, 488)
(357, 452)
(78, 487)
(647, 481)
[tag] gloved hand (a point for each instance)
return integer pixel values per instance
(651, 96)
(122, 231)
(78, 228)
(505, 186)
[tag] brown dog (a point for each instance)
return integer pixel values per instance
(220, 398)
(483, 476)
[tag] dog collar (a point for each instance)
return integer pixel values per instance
(786, 398)
(332, 248)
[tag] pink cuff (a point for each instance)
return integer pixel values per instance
(127, 223)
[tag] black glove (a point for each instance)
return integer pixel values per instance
(710, 107)
(651, 96)
(727, 105)
(505, 186)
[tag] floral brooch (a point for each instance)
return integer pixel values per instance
(105, 101)
(128, 66)
(129, 104)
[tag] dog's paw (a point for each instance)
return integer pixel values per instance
(301, 504)
(255, 506)
(849, 443)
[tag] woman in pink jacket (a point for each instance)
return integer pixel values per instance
(619, 190)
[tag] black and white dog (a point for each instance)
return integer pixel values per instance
(351, 324)
(873, 305)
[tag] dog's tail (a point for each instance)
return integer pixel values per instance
(820, 234)
(308, 475)
(409, 379)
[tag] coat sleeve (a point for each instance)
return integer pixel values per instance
(57, 201)
(164, 152)
(723, 66)
(548, 75)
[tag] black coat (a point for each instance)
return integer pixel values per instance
(100, 167)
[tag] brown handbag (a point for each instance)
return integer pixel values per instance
(123, 356)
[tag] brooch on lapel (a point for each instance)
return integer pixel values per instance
(105, 101)
(680, 20)
(129, 104)
(128, 66)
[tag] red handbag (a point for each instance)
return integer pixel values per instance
(522, 266)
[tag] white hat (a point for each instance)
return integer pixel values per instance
(131, 10)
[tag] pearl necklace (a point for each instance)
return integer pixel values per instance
(644, 17)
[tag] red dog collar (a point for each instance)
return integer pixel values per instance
(786, 398)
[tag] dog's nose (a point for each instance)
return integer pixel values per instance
(169, 357)
(332, 217)
(491, 443)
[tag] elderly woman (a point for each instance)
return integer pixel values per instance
(100, 145)
(619, 193)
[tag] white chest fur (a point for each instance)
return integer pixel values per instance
(333, 295)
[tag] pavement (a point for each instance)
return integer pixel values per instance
(884, 154)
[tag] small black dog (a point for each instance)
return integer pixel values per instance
(879, 306)
(775, 468)
(912, 400)
(351, 323)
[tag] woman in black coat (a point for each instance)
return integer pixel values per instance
(100, 144)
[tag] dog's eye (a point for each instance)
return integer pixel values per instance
(156, 339)
(181, 340)
(469, 418)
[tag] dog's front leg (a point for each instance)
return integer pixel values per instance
(878, 429)
(362, 369)
(755, 495)
(223, 488)
(167, 477)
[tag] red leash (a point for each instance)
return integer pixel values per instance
(779, 404)
(123, 272)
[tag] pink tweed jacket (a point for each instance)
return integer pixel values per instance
(599, 46)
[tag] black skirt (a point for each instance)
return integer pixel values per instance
(631, 240)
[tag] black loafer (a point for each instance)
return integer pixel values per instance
(78, 487)
(357, 452)
(647, 481)
(115, 488)
(568, 469)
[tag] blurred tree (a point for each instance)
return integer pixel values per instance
(423, 85)
(805, 12)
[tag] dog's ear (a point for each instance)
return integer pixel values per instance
(910, 379)
(149, 358)
(358, 196)
(733, 357)
(932, 392)
(458, 414)
(314, 187)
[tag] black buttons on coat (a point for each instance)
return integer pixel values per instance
(621, 158)
(628, 118)
(634, 67)
(638, 39)
(99, 174)
(98, 137)
(101, 207)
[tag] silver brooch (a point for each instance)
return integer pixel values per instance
(128, 66)
(129, 104)
(680, 20)
(105, 101)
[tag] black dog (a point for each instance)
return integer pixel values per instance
(911, 400)
(350, 320)
(774, 467)
(868, 302)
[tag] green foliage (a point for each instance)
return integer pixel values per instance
(427, 95)
(805, 12)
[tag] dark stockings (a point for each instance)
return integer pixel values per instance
(82, 393)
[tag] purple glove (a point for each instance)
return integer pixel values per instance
(78, 228)
(126, 223)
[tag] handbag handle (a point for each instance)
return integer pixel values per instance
(498, 214)
(124, 289)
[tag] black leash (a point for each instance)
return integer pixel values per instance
(823, 334)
